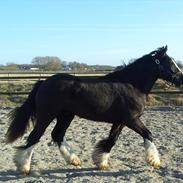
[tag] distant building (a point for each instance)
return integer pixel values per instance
(34, 68)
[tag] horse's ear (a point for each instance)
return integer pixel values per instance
(165, 48)
(162, 51)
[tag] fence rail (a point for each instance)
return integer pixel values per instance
(152, 92)
(7, 78)
(41, 76)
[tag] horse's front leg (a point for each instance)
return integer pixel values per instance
(102, 150)
(151, 153)
(58, 133)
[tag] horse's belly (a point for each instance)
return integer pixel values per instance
(103, 116)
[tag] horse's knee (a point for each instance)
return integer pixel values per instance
(63, 122)
(36, 134)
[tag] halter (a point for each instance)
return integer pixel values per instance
(168, 84)
(153, 54)
(157, 61)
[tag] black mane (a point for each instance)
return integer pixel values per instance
(134, 65)
(135, 73)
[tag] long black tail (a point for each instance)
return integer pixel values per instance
(20, 116)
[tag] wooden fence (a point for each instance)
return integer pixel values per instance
(42, 76)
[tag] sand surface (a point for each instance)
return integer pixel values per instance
(127, 161)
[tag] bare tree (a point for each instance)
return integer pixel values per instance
(48, 63)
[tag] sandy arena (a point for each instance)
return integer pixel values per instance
(127, 161)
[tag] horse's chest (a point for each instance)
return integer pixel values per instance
(131, 104)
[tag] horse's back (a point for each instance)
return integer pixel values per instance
(64, 92)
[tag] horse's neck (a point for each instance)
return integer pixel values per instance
(146, 84)
(142, 79)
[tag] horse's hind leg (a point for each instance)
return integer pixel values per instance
(58, 133)
(102, 150)
(22, 159)
(23, 155)
(152, 156)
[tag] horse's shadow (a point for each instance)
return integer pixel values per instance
(9, 175)
(68, 173)
(72, 173)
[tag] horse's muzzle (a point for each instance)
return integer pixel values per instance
(177, 79)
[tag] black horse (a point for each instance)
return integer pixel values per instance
(118, 98)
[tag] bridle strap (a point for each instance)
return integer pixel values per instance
(168, 84)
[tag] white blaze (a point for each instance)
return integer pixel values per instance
(177, 66)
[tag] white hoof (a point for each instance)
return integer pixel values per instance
(74, 160)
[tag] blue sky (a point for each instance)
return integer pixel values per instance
(89, 31)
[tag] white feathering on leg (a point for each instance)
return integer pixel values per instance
(68, 154)
(100, 159)
(152, 156)
(22, 160)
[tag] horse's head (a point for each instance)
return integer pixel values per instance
(167, 68)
